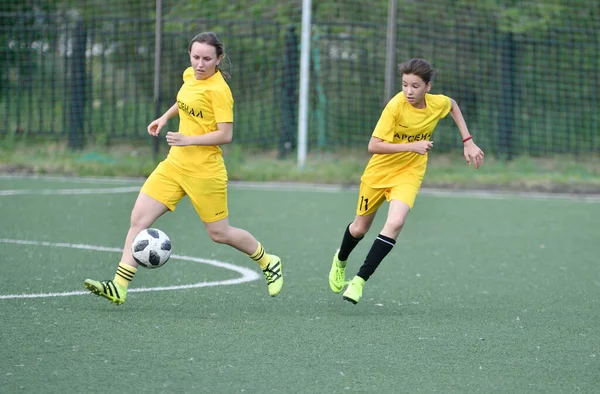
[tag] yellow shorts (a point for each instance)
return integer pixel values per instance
(208, 195)
(370, 199)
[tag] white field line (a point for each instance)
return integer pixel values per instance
(284, 186)
(248, 275)
(111, 190)
(83, 179)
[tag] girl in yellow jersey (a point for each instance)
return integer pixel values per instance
(399, 144)
(193, 167)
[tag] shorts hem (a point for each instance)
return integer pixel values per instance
(212, 220)
(171, 208)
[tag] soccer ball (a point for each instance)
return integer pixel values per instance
(151, 248)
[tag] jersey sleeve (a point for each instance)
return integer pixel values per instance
(446, 105)
(222, 102)
(188, 74)
(386, 124)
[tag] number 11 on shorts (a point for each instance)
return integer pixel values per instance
(364, 201)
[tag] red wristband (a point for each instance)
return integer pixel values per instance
(468, 138)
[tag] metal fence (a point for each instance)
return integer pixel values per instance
(530, 93)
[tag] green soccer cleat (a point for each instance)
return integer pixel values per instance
(108, 289)
(354, 290)
(337, 274)
(274, 276)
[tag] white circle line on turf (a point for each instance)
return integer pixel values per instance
(248, 275)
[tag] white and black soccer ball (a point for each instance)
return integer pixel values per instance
(151, 248)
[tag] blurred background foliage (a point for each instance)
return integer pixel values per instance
(523, 72)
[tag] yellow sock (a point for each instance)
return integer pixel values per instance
(260, 256)
(124, 274)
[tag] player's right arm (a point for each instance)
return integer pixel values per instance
(377, 145)
(155, 126)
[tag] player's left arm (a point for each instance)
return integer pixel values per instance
(471, 151)
(222, 136)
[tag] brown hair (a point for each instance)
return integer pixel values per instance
(211, 39)
(418, 67)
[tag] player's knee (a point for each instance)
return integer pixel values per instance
(219, 236)
(358, 229)
(395, 224)
(138, 222)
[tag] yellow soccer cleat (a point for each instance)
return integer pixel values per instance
(354, 290)
(274, 275)
(108, 289)
(337, 274)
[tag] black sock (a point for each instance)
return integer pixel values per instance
(348, 245)
(381, 247)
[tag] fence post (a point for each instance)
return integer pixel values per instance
(77, 88)
(289, 102)
(158, 31)
(390, 52)
(506, 114)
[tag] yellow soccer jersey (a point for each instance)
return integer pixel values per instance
(202, 104)
(401, 123)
